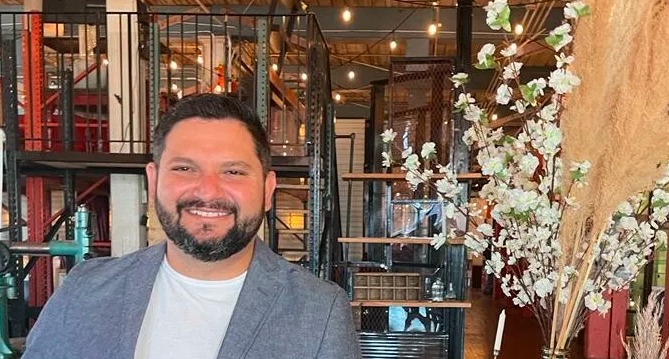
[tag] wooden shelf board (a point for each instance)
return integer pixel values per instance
(292, 186)
(397, 240)
(401, 176)
(293, 231)
(410, 303)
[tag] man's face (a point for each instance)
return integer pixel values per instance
(209, 189)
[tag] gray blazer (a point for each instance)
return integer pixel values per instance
(283, 311)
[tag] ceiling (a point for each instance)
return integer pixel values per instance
(362, 45)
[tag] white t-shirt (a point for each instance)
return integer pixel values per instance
(186, 317)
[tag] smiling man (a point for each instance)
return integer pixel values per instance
(212, 289)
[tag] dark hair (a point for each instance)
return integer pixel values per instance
(215, 107)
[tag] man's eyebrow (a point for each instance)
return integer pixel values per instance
(236, 164)
(181, 160)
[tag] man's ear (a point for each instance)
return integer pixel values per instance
(270, 186)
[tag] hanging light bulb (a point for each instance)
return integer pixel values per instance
(393, 45)
(518, 30)
(105, 62)
(351, 75)
(200, 59)
(346, 15)
(218, 89)
(303, 76)
(432, 29)
(337, 97)
(174, 65)
(493, 117)
(275, 67)
(175, 88)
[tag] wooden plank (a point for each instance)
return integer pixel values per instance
(282, 91)
(410, 303)
(401, 176)
(397, 240)
(293, 231)
(292, 186)
(292, 210)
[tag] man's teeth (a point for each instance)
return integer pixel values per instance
(208, 213)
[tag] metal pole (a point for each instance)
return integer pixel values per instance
(262, 83)
(67, 117)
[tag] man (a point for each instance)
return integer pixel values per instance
(212, 290)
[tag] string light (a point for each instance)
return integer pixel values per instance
(174, 65)
(432, 29)
(175, 88)
(351, 75)
(346, 15)
(393, 45)
(518, 30)
(200, 59)
(337, 97)
(218, 89)
(304, 76)
(494, 117)
(275, 67)
(105, 62)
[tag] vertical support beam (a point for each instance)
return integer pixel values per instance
(154, 81)
(334, 229)
(67, 123)
(127, 124)
(11, 122)
(314, 123)
(261, 70)
(38, 201)
(127, 198)
(459, 153)
(373, 189)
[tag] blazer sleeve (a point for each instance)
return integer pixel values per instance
(340, 340)
(48, 333)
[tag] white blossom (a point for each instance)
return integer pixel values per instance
(504, 93)
(388, 135)
(563, 81)
(563, 59)
(511, 50)
(429, 150)
(575, 9)
(386, 161)
(486, 50)
(460, 79)
(412, 163)
(512, 70)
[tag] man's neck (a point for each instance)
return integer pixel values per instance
(228, 268)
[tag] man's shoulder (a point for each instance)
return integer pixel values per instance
(104, 270)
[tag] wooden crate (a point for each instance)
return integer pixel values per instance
(386, 286)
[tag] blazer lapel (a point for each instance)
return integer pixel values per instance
(261, 289)
(136, 296)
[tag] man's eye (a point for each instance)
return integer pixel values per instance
(234, 172)
(181, 169)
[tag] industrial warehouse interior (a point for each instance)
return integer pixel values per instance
(350, 92)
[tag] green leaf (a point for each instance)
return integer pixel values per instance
(585, 11)
(528, 93)
(554, 40)
(503, 18)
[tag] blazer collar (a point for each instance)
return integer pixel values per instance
(260, 291)
(136, 295)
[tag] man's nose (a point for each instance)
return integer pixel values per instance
(208, 186)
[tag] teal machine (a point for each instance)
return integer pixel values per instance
(79, 248)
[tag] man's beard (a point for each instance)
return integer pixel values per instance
(214, 249)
